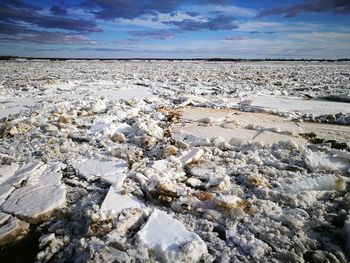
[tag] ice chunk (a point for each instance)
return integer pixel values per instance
(19, 176)
(316, 162)
(115, 201)
(160, 165)
(104, 128)
(200, 135)
(193, 155)
(170, 240)
(149, 127)
(321, 183)
(11, 229)
(38, 199)
(191, 139)
(249, 243)
(109, 171)
(227, 200)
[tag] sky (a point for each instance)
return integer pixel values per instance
(313, 29)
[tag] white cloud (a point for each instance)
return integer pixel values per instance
(321, 36)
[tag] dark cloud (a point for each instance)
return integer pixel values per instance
(316, 6)
(12, 29)
(44, 37)
(20, 12)
(270, 32)
(20, 4)
(235, 38)
(158, 34)
(217, 23)
(22, 34)
(45, 49)
(58, 11)
(255, 32)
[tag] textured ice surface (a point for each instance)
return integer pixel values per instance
(22, 174)
(108, 171)
(232, 153)
(38, 199)
(170, 240)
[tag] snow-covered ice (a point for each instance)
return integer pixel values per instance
(161, 161)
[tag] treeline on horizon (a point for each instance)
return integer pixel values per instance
(180, 59)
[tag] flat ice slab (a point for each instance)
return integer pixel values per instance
(306, 106)
(126, 94)
(200, 133)
(38, 199)
(94, 168)
(115, 201)
(320, 183)
(170, 240)
(14, 181)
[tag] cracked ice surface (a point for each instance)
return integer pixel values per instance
(41, 195)
(159, 161)
(93, 168)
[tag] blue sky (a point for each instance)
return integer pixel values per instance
(175, 28)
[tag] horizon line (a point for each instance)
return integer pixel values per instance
(8, 57)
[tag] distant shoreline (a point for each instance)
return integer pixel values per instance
(176, 59)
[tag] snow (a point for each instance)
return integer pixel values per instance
(170, 240)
